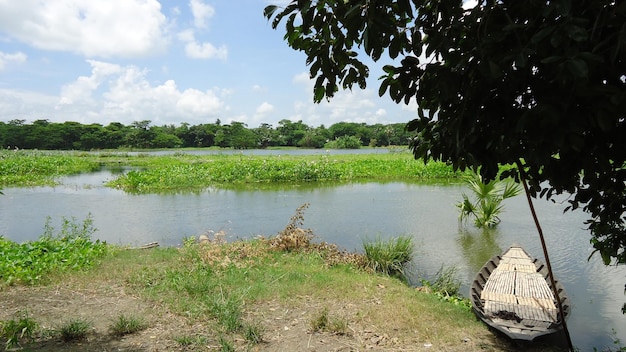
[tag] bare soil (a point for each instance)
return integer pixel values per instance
(286, 327)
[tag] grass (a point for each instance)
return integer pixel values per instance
(188, 341)
(16, 330)
(323, 322)
(124, 325)
(389, 256)
(76, 329)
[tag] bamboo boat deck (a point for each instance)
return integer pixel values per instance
(512, 294)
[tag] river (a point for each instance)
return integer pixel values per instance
(347, 215)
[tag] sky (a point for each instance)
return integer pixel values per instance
(167, 61)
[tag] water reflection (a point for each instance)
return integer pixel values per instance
(478, 246)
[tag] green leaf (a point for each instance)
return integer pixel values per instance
(268, 12)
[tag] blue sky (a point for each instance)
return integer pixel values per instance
(102, 61)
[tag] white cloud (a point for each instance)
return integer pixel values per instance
(196, 50)
(124, 94)
(201, 13)
(17, 104)
(5, 59)
(264, 109)
(82, 88)
(112, 28)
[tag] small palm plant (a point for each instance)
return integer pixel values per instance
(487, 204)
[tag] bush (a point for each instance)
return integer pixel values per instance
(344, 142)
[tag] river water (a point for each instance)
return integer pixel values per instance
(345, 214)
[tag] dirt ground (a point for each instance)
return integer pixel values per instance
(284, 328)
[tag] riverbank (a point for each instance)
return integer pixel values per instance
(243, 296)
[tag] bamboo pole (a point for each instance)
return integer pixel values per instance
(545, 253)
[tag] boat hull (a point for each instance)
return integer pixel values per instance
(513, 294)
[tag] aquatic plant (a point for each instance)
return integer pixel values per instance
(32, 168)
(69, 248)
(487, 204)
(196, 173)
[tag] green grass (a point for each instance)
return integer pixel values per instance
(124, 325)
(16, 330)
(389, 256)
(76, 329)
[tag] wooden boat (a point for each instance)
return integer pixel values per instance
(512, 293)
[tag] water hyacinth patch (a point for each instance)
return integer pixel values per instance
(31, 168)
(201, 172)
(70, 248)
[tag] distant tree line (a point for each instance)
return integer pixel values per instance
(42, 134)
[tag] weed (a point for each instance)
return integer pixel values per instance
(227, 310)
(446, 281)
(320, 321)
(253, 333)
(125, 325)
(446, 286)
(14, 330)
(324, 322)
(293, 237)
(74, 330)
(191, 340)
(389, 257)
(339, 326)
(226, 345)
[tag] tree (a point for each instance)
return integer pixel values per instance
(537, 84)
(290, 132)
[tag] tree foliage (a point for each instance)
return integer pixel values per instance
(539, 84)
(42, 134)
